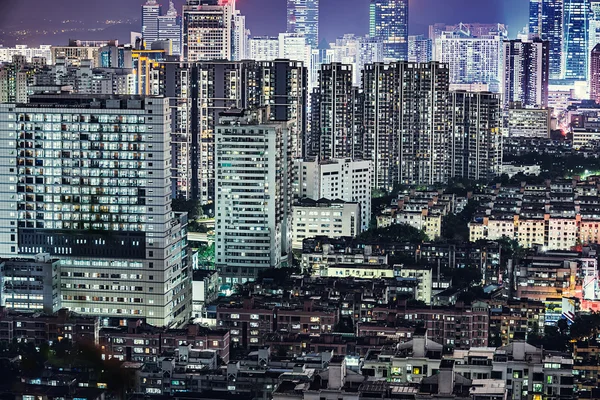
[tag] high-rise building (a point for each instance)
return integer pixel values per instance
(263, 48)
(388, 20)
(150, 13)
(406, 123)
(436, 31)
(87, 180)
(14, 79)
(240, 37)
(595, 74)
(254, 194)
(552, 31)
(535, 11)
(293, 46)
(208, 29)
(594, 28)
(472, 59)
(575, 43)
(303, 18)
(476, 139)
(169, 28)
(280, 84)
(341, 179)
(526, 71)
(334, 124)
(419, 49)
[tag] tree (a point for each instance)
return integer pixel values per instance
(395, 233)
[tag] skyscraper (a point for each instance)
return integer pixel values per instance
(200, 91)
(388, 20)
(254, 194)
(471, 58)
(594, 29)
(263, 48)
(406, 123)
(150, 13)
(169, 28)
(86, 180)
(335, 112)
(526, 72)
(476, 140)
(303, 18)
(208, 30)
(595, 74)
(535, 11)
(552, 31)
(575, 44)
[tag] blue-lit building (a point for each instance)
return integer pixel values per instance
(150, 13)
(552, 31)
(388, 20)
(575, 44)
(535, 10)
(303, 18)
(115, 57)
(169, 28)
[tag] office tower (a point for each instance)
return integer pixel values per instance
(303, 18)
(526, 71)
(169, 28)
(575, 42)
(14, 79)
(595, 74)
(594, 28)
(208, 27)
(115, 57)
(335, 115)
(535, 12)
(253, 189)
(476, 140)
(225, 85)
(419, 49)
(552, 31)
(436, 31)
(340, 179)
(388, 20)
(98, 198)
(240, 37)
(406, 123)
(472, 59)
(150, 13)
(263, 48)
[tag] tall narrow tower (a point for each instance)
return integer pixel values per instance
(150, 13)
(303, 18)
(388, 20)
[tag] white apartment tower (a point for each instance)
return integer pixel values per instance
(337, 179)
(253, 195)
(87, 180)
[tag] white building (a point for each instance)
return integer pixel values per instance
(331, 218)
(263, 48)
(90, 184)
(7, 53)
(253, 195)
(342, 179)
(293, 46)
(529, 122)
(424, 278)
(472, 59)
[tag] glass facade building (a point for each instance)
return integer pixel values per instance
(575, 46)
(388, 20)
(303, 18)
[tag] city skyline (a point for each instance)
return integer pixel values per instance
(264, 17)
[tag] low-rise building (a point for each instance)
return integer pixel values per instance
(332, 218)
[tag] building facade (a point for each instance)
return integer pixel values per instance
(526, 72)
(208, 27)
(303, 18)
(87, 180)
(253, 195)
(388, 21)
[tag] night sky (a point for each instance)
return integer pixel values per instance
(263, 17)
